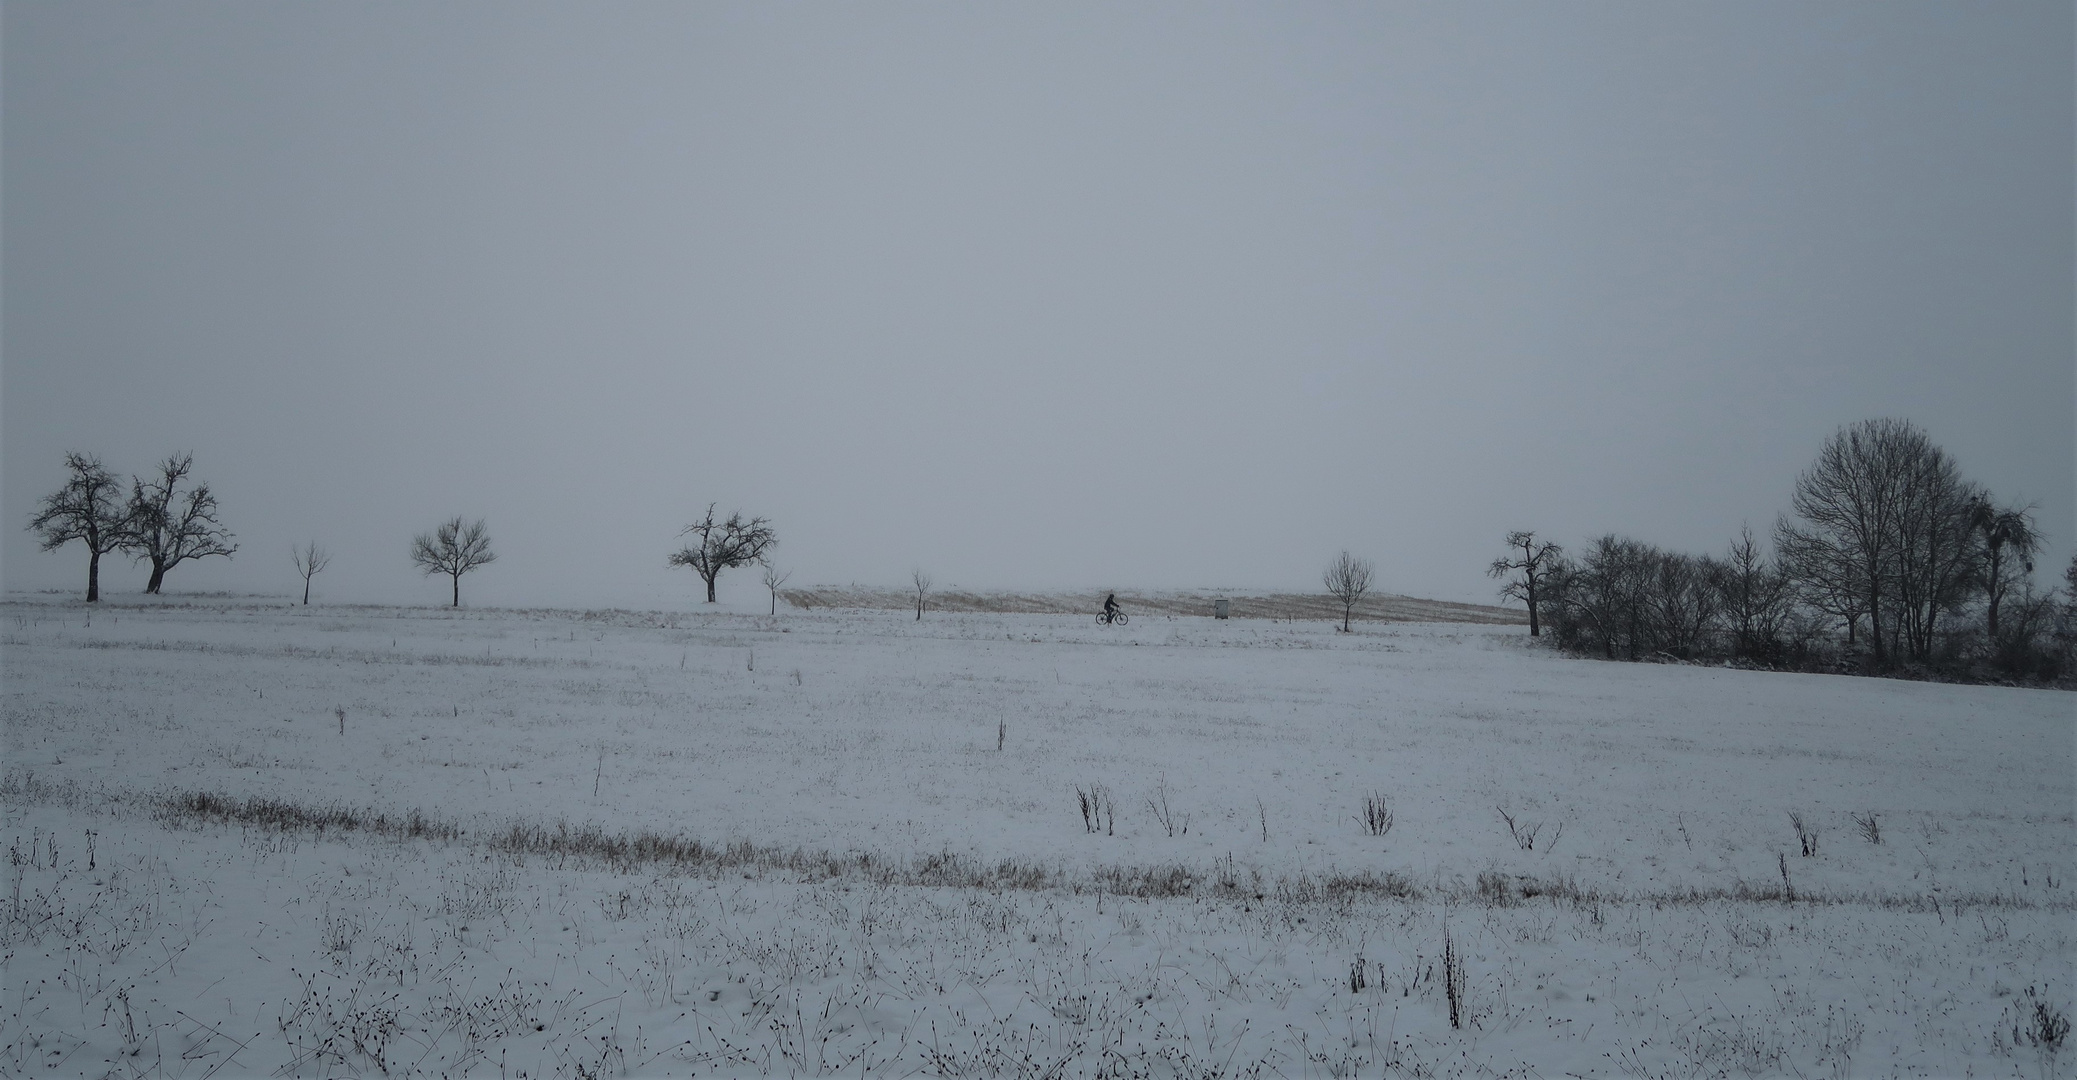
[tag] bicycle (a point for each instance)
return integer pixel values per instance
(1113, 618)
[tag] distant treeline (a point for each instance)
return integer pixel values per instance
(1890, 563)
(1250, 605)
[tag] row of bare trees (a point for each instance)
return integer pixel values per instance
(166, 520)
(457, 547)
(1625, 599)
(1888, 547)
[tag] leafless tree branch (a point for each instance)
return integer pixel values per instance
(310, 559)
(86, 508)
(1347, 578)
(922, 583)
(739, 541)
(168, 526)
(1536, 564)
(773, 578)
(454, 549)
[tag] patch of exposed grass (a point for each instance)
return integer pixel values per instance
(256, 811)
(645, 851)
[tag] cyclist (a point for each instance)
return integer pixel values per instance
(1110, 608)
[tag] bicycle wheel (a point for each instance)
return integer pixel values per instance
(1120, 619)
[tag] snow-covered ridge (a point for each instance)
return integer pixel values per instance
(1243, 604)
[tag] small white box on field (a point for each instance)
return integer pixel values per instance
(1220, 608)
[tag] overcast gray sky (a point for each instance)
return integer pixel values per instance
(1029, 295)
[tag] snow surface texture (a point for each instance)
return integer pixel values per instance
(1236, 914)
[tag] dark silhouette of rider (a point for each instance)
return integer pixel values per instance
(1110, 607)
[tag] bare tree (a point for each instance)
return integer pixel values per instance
(1682, 599)
(2009, 542)
(1824, 576)
(735, 542)
(1605, 598)
(87, 508)
(2029, 617)
(1535, 565)
(2070, 589)
(1756, 597)
(1881, 527)
(1850, 498)
(310, 559)
(453, 549)
(1347, 578)
(1940, 564)
(922, 583)
(169, 526)
(773, 578)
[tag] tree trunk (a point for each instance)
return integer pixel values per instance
(93, 577)
(775, 602)
(457, 589)
(1345, 610)
(710, 585)
(1534, 629)
(158, 575)
(306, 592)
(1996, 591)
(1875, 625)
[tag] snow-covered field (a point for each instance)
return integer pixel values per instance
(912, 888)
